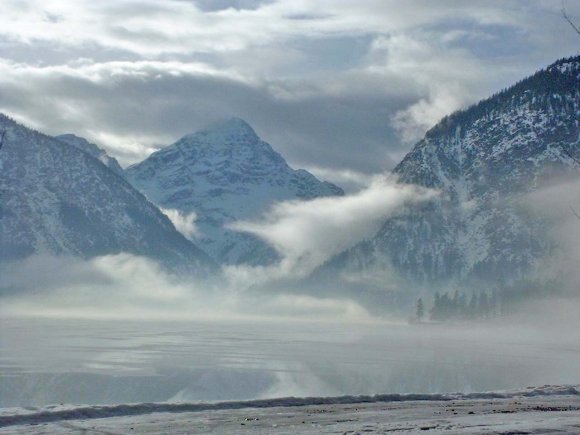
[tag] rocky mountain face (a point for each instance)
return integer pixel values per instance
(484, 161)
(224, 174)
(58, 199)
(93, 150)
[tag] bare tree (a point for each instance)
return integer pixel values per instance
(570, 21)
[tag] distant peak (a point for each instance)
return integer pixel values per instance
(234, 126)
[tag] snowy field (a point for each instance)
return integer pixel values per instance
(548, 409)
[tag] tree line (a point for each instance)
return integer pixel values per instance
(457, 306)
(466, 306)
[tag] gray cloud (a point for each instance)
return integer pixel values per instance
(130, 108)
(128, 286)
(219, 5)
(347, 87)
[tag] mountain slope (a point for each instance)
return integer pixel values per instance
(484, 161)
(224, 174)
(58, 199)
(93, 150)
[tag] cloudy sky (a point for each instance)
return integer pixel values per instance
(341, 87)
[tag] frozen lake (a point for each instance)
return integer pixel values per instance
(88, 361)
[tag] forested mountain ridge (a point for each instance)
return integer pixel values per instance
(484, 161)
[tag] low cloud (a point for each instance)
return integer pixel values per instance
(559, 205)
(414, 121)
(112, 286)
(183, 222)
(447, 79)
(349, 180)
(127, 286)
(307, 233)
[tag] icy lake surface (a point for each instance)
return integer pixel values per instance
(108, 362)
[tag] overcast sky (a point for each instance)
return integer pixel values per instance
(341, 87)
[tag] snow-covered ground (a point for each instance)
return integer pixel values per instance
(548, 409)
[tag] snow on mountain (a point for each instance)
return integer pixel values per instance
(224, 173)
(58, 199)
(93, 150)
(484, 160)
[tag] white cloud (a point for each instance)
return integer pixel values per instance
(446, 79)
(348, 179)
(415, 120)
(307, 233)
(106, 73)
(183, 222)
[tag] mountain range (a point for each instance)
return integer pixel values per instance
(64, 195)
(59, 199)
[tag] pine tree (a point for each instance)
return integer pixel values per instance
(2, 137)
(436, 309)
(420, 309)
(446, 307)
(462, 307)
(483, 308)
(456, 305)
(472, 308)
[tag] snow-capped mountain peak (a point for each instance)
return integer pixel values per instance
(231, 128)
(224, 173)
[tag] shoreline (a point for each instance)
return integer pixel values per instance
(533, 410)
